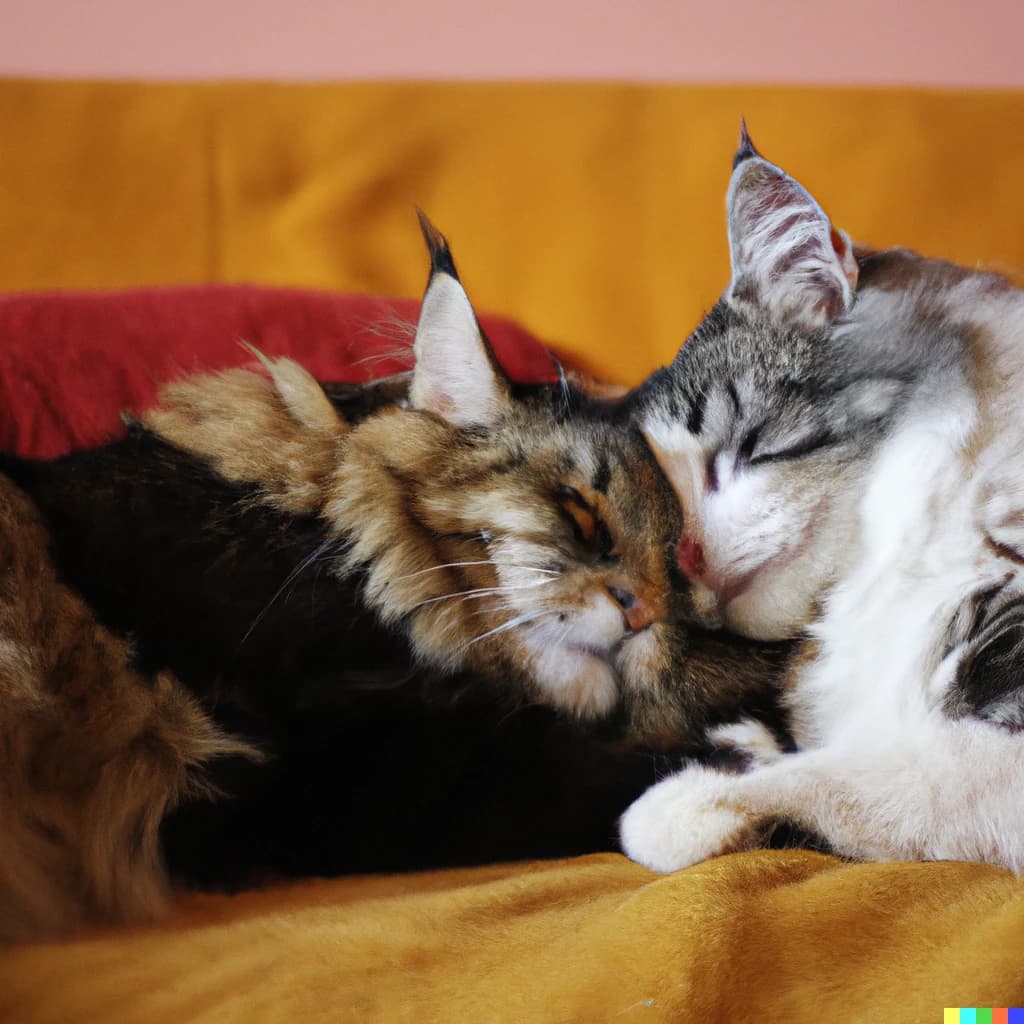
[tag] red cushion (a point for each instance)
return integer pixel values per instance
(71, 362)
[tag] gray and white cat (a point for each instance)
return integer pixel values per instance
(845, 432)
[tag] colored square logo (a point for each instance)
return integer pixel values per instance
(983, 1015)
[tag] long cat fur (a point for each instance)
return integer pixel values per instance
(94, 753)
(254, 565)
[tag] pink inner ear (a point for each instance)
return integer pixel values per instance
(787, 256)
(847, 259)
(442, 402)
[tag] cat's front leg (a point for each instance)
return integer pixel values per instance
(703, 812)
(700, 812)
(899, 798)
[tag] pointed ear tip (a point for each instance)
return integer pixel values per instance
(437, 246)
(434, 239)
(746, 149)
(261, 357)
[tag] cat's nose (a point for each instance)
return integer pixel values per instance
(690, 558)
(638, 612)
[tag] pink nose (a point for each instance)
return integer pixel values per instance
(690, 558)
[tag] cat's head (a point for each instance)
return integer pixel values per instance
(765, 420)
(520, 533)
(513, 529)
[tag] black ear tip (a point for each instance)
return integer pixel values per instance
(746, 150)
(441, 261)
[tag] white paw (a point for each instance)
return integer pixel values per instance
(683, 820)
(749, 737)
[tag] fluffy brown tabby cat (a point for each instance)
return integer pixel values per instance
(263, 552)
(521, 533)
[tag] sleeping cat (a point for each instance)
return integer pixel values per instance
(265, 575)
(845, 433)
(520, 532)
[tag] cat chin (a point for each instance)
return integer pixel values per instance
(576, 678)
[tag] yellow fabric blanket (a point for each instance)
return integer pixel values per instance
(592, 213)
(783, 936)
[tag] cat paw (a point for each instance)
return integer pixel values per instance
(683, 820)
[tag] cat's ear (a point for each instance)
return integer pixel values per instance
(456, 374)
(787, 258)
(301, 394)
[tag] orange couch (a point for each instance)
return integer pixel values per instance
(593, 214)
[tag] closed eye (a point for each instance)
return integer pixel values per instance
(588, 527)
(806, 446)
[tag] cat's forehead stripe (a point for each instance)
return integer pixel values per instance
(695, 417)
(734, 397)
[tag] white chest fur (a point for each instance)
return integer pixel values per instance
(881, 637)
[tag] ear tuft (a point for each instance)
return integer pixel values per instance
(787, 258)
(456, 375)
(300, 393)
(746, 149)
(441, 261)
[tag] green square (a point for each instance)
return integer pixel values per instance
(983, 1016)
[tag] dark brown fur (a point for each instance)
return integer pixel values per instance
(94, 755)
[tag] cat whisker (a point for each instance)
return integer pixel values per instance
(480, 561)
(403, 355)
(501, 606)
(390, 325)
(289, 580)
(518, 709)
(465, 595)
(518, 620)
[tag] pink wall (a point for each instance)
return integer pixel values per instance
(929, 42)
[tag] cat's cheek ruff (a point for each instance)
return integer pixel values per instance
(288, 440)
